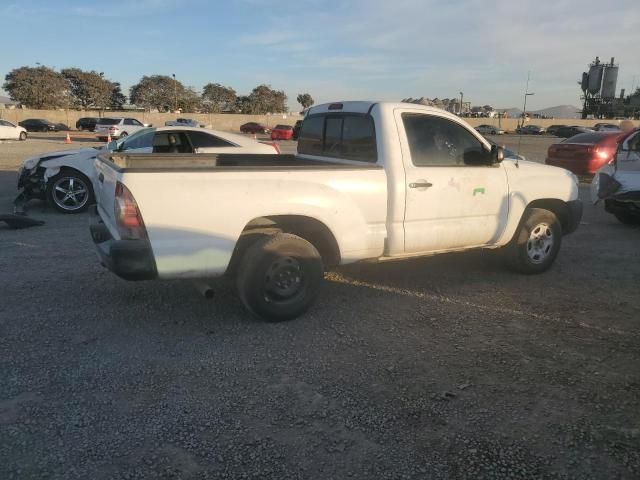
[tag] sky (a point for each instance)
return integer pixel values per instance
(335, 50)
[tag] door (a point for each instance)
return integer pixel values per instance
(454, 197)
(7, 131)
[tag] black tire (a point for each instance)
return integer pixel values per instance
(79, 128)
(536, 243)
(78, 202)
(280, 277)
(627, 218)
(23, 136)
(123, 134)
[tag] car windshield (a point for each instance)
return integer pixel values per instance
(108, 121)
(283, 127)
(588, 138)
(135, 140)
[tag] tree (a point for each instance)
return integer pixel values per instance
(217, 98)
(263, 99)
(88, 89)
(37, 87)
(305, 100)
(117, 99)
(161, 92)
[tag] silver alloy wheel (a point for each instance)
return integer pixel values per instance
(70, 193)
(540, 243)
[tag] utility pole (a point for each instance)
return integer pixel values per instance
(175, 93)
(526, 94)
(461, 97)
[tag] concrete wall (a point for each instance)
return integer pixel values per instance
(229, 122)
(232, 122)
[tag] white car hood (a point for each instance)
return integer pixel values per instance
(29, 163)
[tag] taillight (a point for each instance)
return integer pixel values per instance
(603, 153)
(128, 217)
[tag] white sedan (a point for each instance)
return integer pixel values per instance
(65, 179)
(489, 130)
(9, 131)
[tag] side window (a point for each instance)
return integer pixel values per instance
(205, 140)
(136, 122)
(436, 141)
(345, 136)
(171, 142)
(4, 124)
(127, 121)
(310, 138)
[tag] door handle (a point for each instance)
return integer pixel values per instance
(420, 184)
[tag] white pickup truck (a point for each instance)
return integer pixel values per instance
(370, 182)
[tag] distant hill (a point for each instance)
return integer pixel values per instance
(561, 111)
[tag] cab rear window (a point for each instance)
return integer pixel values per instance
(347, 136)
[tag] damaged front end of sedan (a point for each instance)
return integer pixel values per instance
(618, 183)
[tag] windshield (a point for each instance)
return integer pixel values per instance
(141, 139)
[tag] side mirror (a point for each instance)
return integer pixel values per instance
(497, 154)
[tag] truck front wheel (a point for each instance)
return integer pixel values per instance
(279, 277)
(536, 243)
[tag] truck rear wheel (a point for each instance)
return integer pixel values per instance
(536, 243)
(279, 277)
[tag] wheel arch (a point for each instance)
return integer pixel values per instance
(556, 206)
(311, 229)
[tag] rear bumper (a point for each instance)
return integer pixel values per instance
(574, 216)
(128, 259)
(576, 165)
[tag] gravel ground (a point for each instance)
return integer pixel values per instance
(449, 367)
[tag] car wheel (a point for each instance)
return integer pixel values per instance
(23, 136)
(80, 128)
(279, 277)
(69, 192)
(536, 243)
(123, 134)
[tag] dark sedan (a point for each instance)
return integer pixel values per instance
(38, 125)
(253, 127)
(87, 123)
(568, 132)
(585, 153)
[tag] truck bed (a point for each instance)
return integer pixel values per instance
(123, 162)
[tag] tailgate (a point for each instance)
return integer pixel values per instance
(105, 189)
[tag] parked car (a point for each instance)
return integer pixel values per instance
(489, 130)
(62, 127)
(38, 125)
(65, 179)
(253, 127)
(296, 129)
(570, 131)
(585, 153)
(87, 123)
(618, 182)
(553, 129)
(370, 182)
(606, 127)
(183, 122)
(9, 131)
(117, 127)
(282, 132)
(531, 130)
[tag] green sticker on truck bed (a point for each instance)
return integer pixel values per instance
(478, 190)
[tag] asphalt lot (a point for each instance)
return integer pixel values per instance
(448, 367)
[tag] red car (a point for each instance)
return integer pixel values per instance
(282, 132)
(585, 153)
(253, 127)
